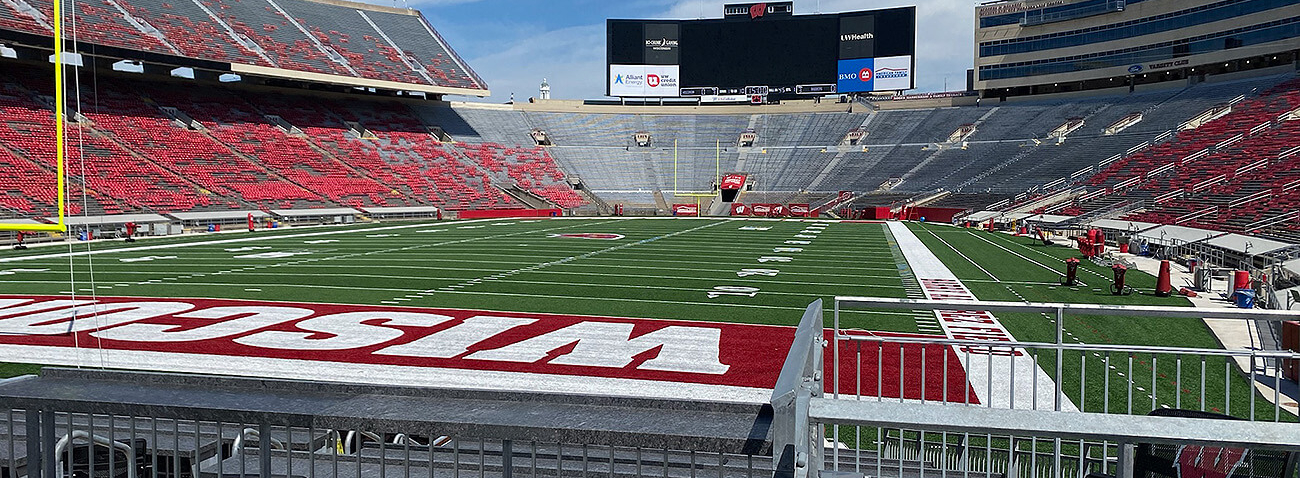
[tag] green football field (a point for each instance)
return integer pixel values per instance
(690, 269)
(661, 268)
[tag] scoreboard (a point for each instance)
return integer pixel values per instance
(763, 49)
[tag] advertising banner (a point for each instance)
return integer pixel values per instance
(846, 196)
(799, 210)
(662, 43)
(738, 209)
(875, 74)
(733, 181)
(779, 210)
(686, 210)
(857, 36)
(657, 81)
(762, 210)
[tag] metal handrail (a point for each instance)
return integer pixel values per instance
(62, 446)
(1132, 349)
(1080, 309)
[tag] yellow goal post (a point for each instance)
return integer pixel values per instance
(59, 153)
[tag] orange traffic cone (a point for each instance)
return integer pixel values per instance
(1163, 287)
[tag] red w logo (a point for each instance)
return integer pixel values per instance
(757, 10)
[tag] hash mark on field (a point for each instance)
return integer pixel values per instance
(380, 251)
(566, 260)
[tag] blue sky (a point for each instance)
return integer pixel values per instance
(513, 44)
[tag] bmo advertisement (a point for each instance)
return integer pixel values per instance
(875, 74)
(763, 50)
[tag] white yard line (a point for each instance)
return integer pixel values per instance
(358, 254)
(990, 375)
(674, 302)
(1041, 253)
(963, 256)
(566, 260)
(1017, 254)
(220, 241)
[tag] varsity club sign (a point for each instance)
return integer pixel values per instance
(686, 210)
(799, 210)
(418, 346)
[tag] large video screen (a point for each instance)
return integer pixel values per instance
(774, 55)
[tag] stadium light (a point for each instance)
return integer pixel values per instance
(129, 66)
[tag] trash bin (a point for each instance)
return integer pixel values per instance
(1245, 298)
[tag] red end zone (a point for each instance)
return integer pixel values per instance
(505, 350)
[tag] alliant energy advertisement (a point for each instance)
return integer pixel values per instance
(650, 81)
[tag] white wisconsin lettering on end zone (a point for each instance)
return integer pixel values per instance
(252, 318)
(469, 339)
(989, 373)
(604, 344)
(456, 341)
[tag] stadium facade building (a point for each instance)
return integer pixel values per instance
(1027, 47)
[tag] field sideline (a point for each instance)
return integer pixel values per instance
(713, 270)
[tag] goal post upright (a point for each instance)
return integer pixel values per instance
(59, 146)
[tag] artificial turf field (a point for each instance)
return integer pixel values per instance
(659, 269)
(716, 270)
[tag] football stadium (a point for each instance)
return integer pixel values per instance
(302, 238)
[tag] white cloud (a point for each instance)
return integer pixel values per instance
(571, 59)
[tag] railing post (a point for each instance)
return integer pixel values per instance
(47, 445)
(800, 379)
(1124, 465)
(1060, 357)
(835, 351)
(507, 459)
(264, 449)
(34, 462)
